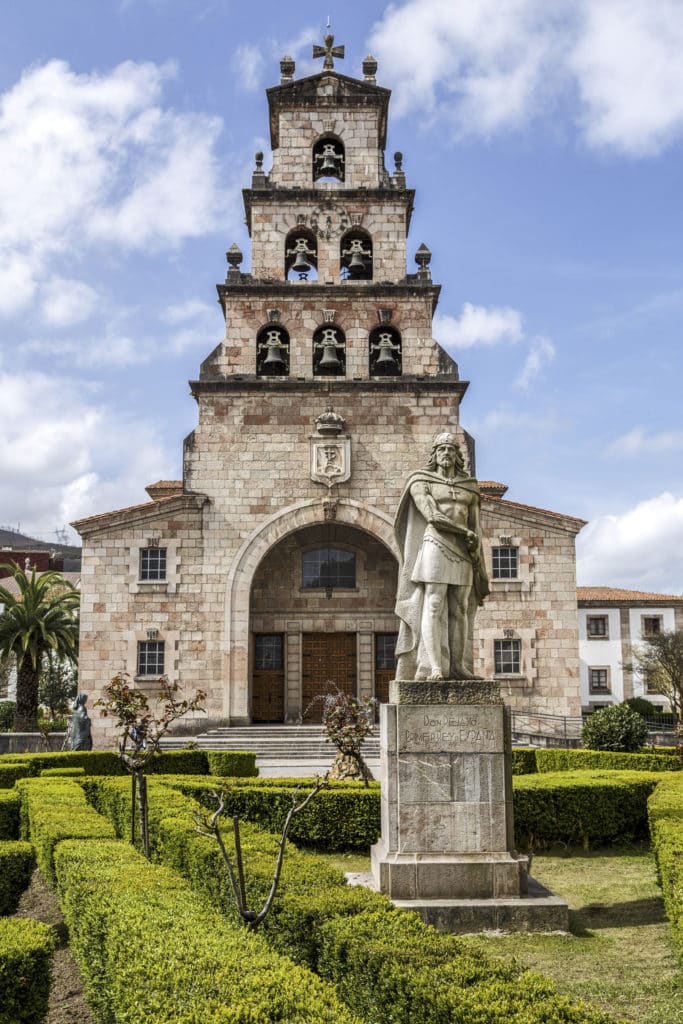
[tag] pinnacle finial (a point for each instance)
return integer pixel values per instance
(328, 50)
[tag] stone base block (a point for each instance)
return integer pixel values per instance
(448, 876)
(536, 911)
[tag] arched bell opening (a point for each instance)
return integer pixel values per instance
(355, 256)
(329, 351)
(328, 158)
(272, 351)
(301, 255)
(385, 352)
(321, 611)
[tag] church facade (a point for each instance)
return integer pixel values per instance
(271, 567)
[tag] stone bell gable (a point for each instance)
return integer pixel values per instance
(275, 561)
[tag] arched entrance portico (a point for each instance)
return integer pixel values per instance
(286, 634)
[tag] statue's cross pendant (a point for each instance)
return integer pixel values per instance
(328, 51)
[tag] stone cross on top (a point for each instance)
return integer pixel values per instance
(328, 51)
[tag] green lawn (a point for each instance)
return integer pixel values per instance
(619, 955)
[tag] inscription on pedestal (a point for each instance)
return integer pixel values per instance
(424, 729)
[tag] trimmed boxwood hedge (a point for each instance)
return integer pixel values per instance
(10, 804)
(581, 808)
(665, 810)
(232, 763)
(17, 861)
(107, 762)
(26, 949)
(149, 947)
(62, 773)
(557, 760)
(524, 761)
(10, 771)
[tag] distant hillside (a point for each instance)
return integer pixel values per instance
(13, 541)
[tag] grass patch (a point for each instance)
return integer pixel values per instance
(620, 956)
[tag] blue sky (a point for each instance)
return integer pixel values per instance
(544, 142)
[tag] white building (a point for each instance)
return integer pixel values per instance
(610, 622)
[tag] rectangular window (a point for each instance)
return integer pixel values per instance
(507, 656)
(268, 652)
(596, 627)
(651, 625)
(505, 563)
(151, 658)
(328, 568)
(598, 680)
(385, 650)
(152, 563)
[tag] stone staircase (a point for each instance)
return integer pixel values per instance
(286, 743)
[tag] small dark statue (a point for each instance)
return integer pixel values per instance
(81, 737)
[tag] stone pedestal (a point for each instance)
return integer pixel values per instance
(447, 843)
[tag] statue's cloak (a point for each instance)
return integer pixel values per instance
(409, 527)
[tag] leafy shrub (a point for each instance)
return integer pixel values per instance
(10, 804)
(586, 808)
(231, 763)
(17, 861)
(56, 809)
(641, 706)
(615, 727)
(26, 949)
(524, 761)
(665, 809)
(7, 708)
(203, 969)
(10, 771)
(558, 760)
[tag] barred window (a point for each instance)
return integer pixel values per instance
(152, 563)
(150, 658)
(385, 650)
(596, 627)
(268, 652)
(598, 680)
(329, 567)
(507, 657)
(505, 562)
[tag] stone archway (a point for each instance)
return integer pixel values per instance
(278, 526)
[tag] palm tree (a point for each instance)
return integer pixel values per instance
(42, 617)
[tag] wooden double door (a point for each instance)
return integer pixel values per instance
(327, 659)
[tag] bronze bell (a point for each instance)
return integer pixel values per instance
(328, 165)
(385, 362)
(330, 362)
(274, 362)
(356, 264)
(301, 266)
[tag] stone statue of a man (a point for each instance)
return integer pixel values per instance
(81, 737)
(442, 578)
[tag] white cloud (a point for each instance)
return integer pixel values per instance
(638, 442)
(628, 68)
(66, 302)
(247, 64)
(478, 325)
(94, 158)
(63, 455)
(191, 309)
(641, 548)
(541, 353)
(484, 67)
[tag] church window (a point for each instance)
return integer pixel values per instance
(152, 563)
(355, 256)
(596, 627)
(328, 568)
(150, 658)
(328, 159)
(272, 351)
(598, 680)
(301, 255)
(385, 650)
(268, 652)
(505, 562)
(507, 656)
(385, 352)
(329, 351)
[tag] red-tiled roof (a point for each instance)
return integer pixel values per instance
(9, 583)
(608, 594)
(534, 508)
